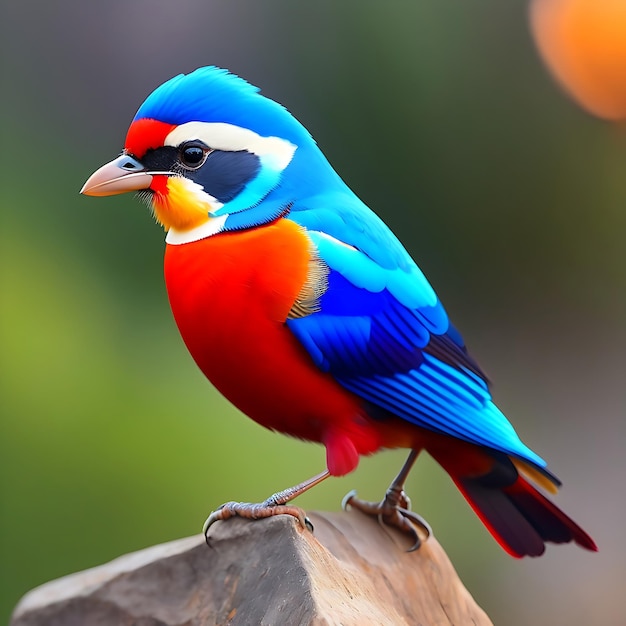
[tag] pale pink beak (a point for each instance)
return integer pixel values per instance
(119, 176)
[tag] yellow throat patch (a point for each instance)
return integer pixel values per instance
(184, 205)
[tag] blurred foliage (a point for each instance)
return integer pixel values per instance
(441, 117)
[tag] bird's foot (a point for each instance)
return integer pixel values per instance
(276, 504)
(254, 511)
(394, 510)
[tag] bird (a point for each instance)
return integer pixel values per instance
(305, 311)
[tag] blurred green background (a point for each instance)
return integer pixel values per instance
(441, 116)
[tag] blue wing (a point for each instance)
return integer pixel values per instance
(383, 334)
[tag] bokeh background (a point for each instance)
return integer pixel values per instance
(442, 117)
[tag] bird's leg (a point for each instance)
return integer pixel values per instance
(394, 510)
(274, 505)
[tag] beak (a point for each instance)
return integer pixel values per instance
(119, 176)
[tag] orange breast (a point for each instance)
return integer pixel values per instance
(230, 295)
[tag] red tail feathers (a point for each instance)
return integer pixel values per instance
(520, 518)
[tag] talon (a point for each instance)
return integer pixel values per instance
(347, 498)
(391, 513)
(252, 511)
(417, 544)
(223, 512)
(395, 508)
(207, 524)
(276, 504)
(418, 520)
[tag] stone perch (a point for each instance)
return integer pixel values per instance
(351, 571)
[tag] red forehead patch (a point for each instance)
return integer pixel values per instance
(146, 134)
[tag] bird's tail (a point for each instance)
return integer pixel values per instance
(518, 516)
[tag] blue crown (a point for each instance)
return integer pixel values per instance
(213, 94)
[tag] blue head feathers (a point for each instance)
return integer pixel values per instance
(213, 94)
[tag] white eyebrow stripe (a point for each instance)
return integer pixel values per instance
(231, 138)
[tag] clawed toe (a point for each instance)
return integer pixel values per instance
(253, 511)
(393, 511)
(276, 504)
(409, 521)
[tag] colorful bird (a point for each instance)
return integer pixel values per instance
(305, 311)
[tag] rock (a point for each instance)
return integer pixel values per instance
(271, 572)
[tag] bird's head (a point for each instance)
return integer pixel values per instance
(207, 150)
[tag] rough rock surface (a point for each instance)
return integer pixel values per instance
(271, 572)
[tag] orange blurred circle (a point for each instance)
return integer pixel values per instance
(583, 42)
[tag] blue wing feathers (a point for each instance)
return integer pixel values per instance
(342, 298)
(448, 350)
(341, 215)
(427, 406)
(383, 334)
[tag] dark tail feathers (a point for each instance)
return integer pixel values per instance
(520, 518)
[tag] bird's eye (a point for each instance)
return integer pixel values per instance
(193, 154)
